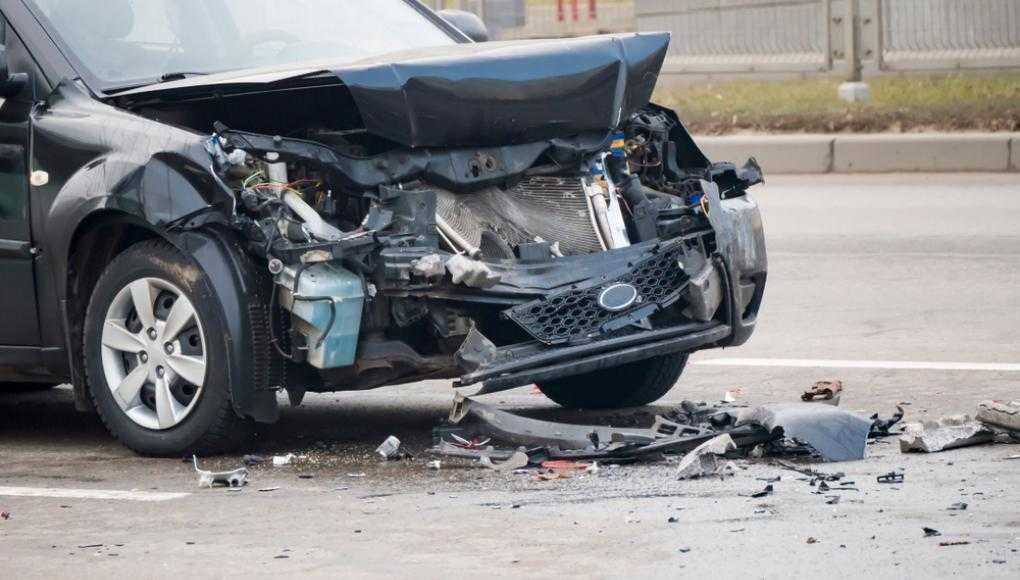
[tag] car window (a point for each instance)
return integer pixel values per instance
(119, 41)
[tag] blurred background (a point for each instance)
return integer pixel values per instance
(777, 66)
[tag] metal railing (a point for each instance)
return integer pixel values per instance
(948, 34)
(782, 36)
(817, 36)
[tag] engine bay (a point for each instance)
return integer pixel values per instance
(385, 265)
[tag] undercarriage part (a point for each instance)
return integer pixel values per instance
(326, 302)
(541, 208)
(383, 362)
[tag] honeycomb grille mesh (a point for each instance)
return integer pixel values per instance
(574, 315)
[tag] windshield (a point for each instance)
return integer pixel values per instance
(121, 42)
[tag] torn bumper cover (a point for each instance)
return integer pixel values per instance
(575, 334)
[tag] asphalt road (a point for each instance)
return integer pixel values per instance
(906, 287)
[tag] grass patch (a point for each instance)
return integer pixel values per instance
(953, 102)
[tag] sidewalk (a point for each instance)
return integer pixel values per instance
(870, 153)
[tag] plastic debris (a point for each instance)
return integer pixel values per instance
(1000, 416)
(282, 460)
(704, 460)
(826, 391)
(435, 464)
(891, 477)
(390, 449)
(883, 427)
(253, 460)
(957, 507)
(944, 434)
(517, 461)
(233, 479)
(931, 532)
(836, 434)
(947, 543)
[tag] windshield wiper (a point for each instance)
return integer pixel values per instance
(178, 76)
(163, 78)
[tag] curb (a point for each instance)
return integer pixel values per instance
(878, 153)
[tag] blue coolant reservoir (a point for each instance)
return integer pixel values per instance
(344, 292)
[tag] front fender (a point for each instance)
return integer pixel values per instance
(240, 288)
(99, 159)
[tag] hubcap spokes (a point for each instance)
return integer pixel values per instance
(153, 352)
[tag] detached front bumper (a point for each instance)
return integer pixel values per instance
(738, 266)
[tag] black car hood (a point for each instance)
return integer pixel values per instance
(464, 95)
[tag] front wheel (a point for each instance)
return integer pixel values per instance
(155, 352)
(630, 385)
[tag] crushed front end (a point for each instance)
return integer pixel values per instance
(397, 260)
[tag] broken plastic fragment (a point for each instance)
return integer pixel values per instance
(472, 273)
(390, 448)
(836, 434)
(704, 460)
(944, 434)
(281, 460)
(1000, 416)
(826, 391)
(233, 479)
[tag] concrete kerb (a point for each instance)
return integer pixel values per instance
(871, 153)
(775, 153)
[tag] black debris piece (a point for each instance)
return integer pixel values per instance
(931, 532)
(891, 477)
(882, 427)
(957, 507)
(252, 460)
(832, 499)
(812, 473)
(769, 489)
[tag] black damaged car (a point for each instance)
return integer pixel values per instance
(204, 203)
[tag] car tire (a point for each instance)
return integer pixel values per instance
(165, 364)
(630, 385)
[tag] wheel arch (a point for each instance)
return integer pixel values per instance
(238, 285)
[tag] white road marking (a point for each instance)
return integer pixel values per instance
(859, 364)
(90, 494)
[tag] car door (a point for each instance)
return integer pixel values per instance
(19, 319)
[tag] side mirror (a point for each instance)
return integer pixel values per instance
(468, 23)
(10, 84)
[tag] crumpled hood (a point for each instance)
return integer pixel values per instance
(464, 95)
(505, 93)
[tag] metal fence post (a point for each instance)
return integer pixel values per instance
(827, 28)
(853, 41)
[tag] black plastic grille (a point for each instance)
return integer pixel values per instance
(574, 315)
